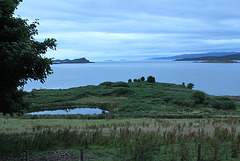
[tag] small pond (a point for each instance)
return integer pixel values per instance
(67, 111)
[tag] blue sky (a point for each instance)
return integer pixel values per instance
(135, 29)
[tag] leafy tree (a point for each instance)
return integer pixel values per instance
(21, 57)
(135, 80)
(190, 85)
(183, 84)
(151, 79)
(142, 79)
(129, 80)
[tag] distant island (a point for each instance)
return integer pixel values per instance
(68, 61)
(211, 59)
(217, 61)
(195, 55)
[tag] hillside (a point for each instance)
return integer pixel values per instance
(79, 60)
(136, 99)
(195, 55)
(217, 61)
(226, 57)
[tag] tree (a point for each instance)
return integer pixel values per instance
(135, 80)
(190, 85)
(21, 57)
(142, 79)
(151, 79)
(129, 80)
(183, 84)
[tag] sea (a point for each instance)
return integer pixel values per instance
(212, 78)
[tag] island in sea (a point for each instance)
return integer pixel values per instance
(214, 59)
(217, 61)
(68, 61)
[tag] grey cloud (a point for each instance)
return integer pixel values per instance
(137, 27)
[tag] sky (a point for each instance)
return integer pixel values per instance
(135, 29)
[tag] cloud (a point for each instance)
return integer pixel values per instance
(112, 28)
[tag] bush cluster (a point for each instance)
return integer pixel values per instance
(114, 84)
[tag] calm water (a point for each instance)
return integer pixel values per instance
(215, 79)
(83, 111)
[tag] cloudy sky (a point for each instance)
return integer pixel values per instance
(135, 29)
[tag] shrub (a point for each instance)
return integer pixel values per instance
(151, 79)
(110, 84)
(120, 84)
(135, 80)
(223, 104)
(190, 85)
(122, 91)
(183, 84)
(199, 97)
(142, 79)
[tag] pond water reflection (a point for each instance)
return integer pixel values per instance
(67, 111)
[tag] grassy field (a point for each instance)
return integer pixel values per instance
(124, 139)
(143, 124)
(138, 99)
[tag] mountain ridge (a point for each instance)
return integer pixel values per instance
(226, 57)
(195, 55)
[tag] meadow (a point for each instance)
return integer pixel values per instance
(124, 139)
(138, 99)
(147, 121)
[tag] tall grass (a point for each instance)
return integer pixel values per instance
(220, 139)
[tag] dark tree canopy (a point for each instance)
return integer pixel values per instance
(21, 57)
(190, 85)
(151, 79)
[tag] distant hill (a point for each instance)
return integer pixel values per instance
(65, 61)
(226, 57)
(195, 55)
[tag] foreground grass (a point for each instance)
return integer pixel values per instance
(124, 139)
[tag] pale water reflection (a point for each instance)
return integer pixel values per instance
(66, 111)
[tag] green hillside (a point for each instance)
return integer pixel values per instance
(136, 99)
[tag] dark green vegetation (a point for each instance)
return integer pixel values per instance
(21, 57)
(218, 61)
(226, 57)
(131, 139)
(138, 99)
(67, 61)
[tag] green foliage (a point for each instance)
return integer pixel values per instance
(122, 91)
(199, 97)
(190, 85)
(21, 57)
(129, 80)
(223, 104)
(135, 80)
(151, 79)
(120, 84)
(142, 79)
(116, 84)
(109, 84)
(183, 84)
(137, 99)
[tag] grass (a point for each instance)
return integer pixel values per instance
(135, 128)
(136, 98)
(124, 139)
